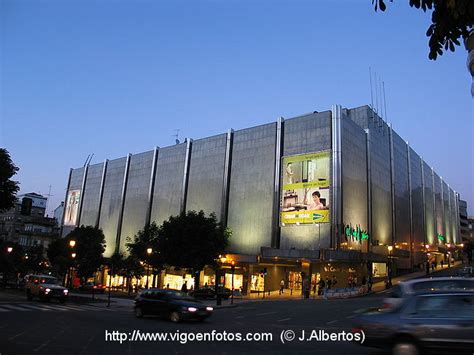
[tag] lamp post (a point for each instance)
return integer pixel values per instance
(232, 268)
(148, 252)
(73, 256)
(389, 283)
(72, 244)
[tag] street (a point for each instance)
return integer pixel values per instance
(80, 328)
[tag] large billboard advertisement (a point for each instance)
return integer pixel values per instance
(72, 207)
(305, 189)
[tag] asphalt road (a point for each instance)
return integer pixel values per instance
(51, 328)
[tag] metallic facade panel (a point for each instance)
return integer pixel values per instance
(354, 180)
(206, 175)
(91, 196)
(251, 189)
(136, 196)
(111, 203)
(168, 190)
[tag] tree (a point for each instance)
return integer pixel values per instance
(59, 256)
(137, 248)
(8, 188)
(451, 20)
(34, 260)
(89, 247)
(192, 241)
(468, 248)
(11, 260)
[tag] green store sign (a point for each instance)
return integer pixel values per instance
(355, 233)
(441, 238)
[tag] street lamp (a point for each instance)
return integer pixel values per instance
(232, 268)
(148, 251)
(389, 283)
(72, 243)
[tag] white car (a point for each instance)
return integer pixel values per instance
(400, 291)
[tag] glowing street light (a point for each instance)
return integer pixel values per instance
(148, 251)
(72, 243)
(73, 255)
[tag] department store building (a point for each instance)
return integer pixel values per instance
(327, 193)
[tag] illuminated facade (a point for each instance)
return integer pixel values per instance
(338, 186)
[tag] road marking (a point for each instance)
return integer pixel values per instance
(15, 308)
(332, 322)
(4, 310)
(239, 317)
(265, 314)
(349, 317)
(33, 307)
(284, 319)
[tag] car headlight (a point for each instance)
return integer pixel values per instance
(192, 309)
(66, 292)
(47, 290)
(210, 309)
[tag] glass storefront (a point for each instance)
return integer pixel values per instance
(295, 280)
(175, 282)
(257, 283)
(379, 269)
(238, 281)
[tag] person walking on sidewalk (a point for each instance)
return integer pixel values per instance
(282, 286)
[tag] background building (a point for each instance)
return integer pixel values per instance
(334, 193)
(26, 223)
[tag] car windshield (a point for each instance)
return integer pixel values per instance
(49, 280)
(436, 285)
(177, 295)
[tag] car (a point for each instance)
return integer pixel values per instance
(45, 287)
(431, 284)
(209, 292)
(93, 287)
(171, 304)
(440, 321)
(467, 271)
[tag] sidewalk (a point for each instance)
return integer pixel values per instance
(124, 301)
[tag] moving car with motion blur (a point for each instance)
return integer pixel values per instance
(171, 304)
(431, 284)
(209, 292)
(93, 287)
(441, 322)
(467, 271)
(45, 287)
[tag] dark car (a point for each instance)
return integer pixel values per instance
(93, 287)
(209, 292)
(171, 304)
(441, 322)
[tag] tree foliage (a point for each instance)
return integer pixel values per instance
(59, 256)
(90, 245)
(8, 188)
(137, 248)
(192, 240)
(451, 21)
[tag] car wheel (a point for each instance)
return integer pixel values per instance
(405, 347)
(175, 317)
(138, 312)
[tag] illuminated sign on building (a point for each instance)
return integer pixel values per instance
(355, 233)
(72, 207)
(441, 238)
(305, 189)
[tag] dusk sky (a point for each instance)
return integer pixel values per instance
(113, 77)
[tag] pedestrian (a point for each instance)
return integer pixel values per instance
(282, 286)
(328, 283)
(442, 264)
(349, 280)
(427, 268)
(364, 280)
(436, 264)
(355, 281)
(321, 287)
(167, 286)
(370, 284)
(184, 288)
(334, 281)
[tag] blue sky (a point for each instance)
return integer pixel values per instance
(113, 77)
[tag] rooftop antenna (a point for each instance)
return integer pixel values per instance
(376, 96)
(371, 93)
(384, 101)
(177, 136)
(47, 200)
